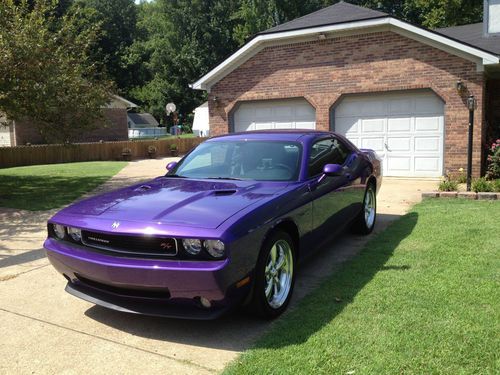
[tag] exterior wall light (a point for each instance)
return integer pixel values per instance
(460, 86)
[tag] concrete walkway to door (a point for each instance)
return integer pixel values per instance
(43, 327)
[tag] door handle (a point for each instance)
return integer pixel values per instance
(386, 147)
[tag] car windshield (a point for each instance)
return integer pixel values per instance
(242, 160)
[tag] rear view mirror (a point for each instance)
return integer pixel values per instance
(171, 165)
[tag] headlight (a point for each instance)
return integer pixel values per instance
(59, 231)
(75, 234)
(215, 248)
(192, 245)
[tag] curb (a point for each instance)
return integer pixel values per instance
(461, 195)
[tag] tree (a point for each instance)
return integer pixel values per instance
(183, 40)
(46, 76)
(118, 30)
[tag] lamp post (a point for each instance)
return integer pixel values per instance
(471, 104)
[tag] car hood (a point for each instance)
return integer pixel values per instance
(176, 201)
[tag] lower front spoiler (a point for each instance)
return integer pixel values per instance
(151, 308)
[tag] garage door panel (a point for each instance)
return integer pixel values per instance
(347, 125)
(376, 144)
(399, 144)
(426, 124)
(425, 144)
(399, 163)
(411, 125)
(428, 104)
(400, 106)
(427, 164)
(274, 114)
(372, 126)
(305, 125)
(372, 108)
(399, 124)
(264, 125)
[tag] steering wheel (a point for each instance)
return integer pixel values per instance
(283, 166)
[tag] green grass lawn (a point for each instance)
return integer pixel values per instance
(42, 187)
(422, 298)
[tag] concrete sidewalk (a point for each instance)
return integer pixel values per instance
(45, 330)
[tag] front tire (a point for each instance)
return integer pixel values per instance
(365, 222)
(274, 276)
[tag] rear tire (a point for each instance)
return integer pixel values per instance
(365, 221)
(274, 276)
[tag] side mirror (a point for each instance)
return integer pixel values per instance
(332, 169)
(171, 165)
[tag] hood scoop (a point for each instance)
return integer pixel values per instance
(224, 192)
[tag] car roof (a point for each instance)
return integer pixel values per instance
(273, 135)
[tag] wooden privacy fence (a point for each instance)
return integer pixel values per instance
(50, 154)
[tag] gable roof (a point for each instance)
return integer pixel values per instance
(142, 119)
(340, 18)
(473, 34)
(337, 13)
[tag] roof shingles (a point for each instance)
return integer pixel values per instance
(337, 13)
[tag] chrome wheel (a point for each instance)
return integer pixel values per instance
(369, 208)
(278, 274)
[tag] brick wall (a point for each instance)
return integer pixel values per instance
(322, 71)
(113, 128)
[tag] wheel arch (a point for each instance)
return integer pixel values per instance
(288, 226)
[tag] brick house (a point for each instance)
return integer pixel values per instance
(113, 128)
(386, 84)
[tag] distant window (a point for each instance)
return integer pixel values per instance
(326, 151)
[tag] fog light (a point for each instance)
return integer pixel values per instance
(205, 303)
(59, 231)
(75, 234)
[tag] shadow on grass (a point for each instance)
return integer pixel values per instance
(338, 291)
(340, 261)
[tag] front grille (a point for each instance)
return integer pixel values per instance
(159, 293)
(131, 245)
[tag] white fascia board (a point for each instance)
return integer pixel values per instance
(258, 43)
(487, 58)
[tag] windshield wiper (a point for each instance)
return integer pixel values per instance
(223, 178)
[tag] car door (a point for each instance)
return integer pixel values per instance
(332, 195)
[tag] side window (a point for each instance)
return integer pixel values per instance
(326, 151)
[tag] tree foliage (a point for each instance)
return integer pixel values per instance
(45, 75)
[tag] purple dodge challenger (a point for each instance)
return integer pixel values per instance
(227, 225)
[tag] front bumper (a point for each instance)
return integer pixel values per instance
(169, 288)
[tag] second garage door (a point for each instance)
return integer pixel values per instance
(405, 129)
(274, 114)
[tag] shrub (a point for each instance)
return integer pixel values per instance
(496, 185)
(448, 185)
(173, 147)
(152, 149)
(482, 185)
(493, 169)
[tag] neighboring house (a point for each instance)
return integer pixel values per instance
(386, 84)
(201, 125)
(142, 125)
(114, 128)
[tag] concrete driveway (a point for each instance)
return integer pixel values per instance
(45, 330)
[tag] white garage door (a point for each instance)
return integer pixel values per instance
(406, 130)
(275, 114)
